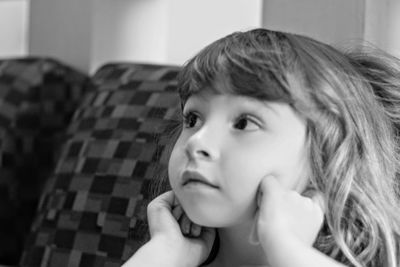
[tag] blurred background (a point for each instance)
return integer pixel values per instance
(88, 33)
(93, 211)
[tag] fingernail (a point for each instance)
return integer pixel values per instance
(176, 202)
(259, 196)
(186, 228)
(253, 237)
(196, 230)
(177, 212)
(309, 192)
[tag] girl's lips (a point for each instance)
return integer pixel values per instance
(195, 177)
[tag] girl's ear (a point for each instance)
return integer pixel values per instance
(176, 201)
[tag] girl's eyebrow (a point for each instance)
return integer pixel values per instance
(264, 104)
(195, 99)
(198, 96)
(272, 108)
(246, 102)
(202, 97)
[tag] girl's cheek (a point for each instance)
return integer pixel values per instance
(172, 167)
(175, 164)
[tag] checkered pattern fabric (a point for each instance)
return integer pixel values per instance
(93, 211)
(37, 99)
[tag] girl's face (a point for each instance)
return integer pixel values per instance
(227, 145)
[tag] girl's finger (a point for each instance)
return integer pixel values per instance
(269, 187)
(319, 203)
(177, 212)
(208, 236)
(176, 202)
(185, 224)
(164, 200)
(253, 238)
(159, 214)
(195, 230)
(259, 197)
(318, 199)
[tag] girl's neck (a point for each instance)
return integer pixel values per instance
(235, 248)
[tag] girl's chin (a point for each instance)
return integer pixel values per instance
(217, 215)
(215, 220)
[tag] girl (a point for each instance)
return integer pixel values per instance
(288, 148)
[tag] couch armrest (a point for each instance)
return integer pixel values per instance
(37, 99)
(93, 210)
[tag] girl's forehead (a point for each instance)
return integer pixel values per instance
(208, 93)
(228, 84)
(207, 96)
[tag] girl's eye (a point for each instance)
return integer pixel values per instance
(246, 123)
(190, 120)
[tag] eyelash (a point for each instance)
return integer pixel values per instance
(189, 116)
(248, 119)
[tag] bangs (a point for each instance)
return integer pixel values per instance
(246, 66)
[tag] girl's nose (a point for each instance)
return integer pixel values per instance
(202, 146)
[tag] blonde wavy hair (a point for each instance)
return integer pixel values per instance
(351, 103)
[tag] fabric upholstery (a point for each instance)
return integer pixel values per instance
(93, 210)
(37, 99)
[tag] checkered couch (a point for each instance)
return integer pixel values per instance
(78, 157)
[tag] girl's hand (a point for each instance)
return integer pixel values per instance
(182, 241)
(285, 217)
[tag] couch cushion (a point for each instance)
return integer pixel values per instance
(93, 211)
(37, 99)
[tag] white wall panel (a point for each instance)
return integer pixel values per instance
(13, 27)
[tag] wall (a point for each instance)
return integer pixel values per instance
(382, 24)
(87, 34)
(61, 29)
(392, 44)
(13, 28)
(194, 24)
(128, 30)
(340, 21)
(165, 31)
(328, 21)
(375, 29)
